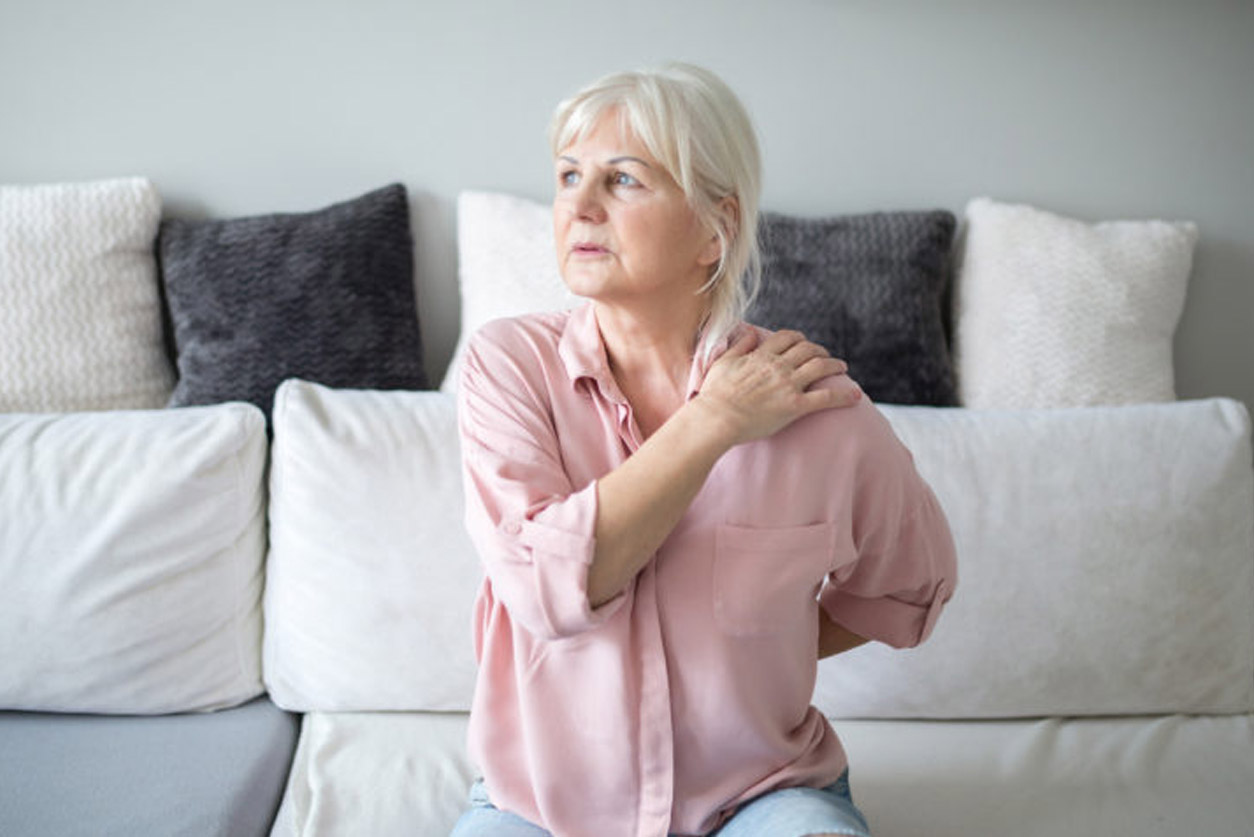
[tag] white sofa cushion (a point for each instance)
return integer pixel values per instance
(401, 773)
(1106, 562)
(371, 576)
(130, 559)
(80, 323)
(1054, 312)
(1106, 566)
(507, 265)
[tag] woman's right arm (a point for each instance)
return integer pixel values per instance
(559, 554)
(753, 390)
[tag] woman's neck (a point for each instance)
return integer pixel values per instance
(647, 348)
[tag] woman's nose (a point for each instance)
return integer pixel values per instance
(588, 204)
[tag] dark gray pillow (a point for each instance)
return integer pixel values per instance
(327, 296)
(871, 289)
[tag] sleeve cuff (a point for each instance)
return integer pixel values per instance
(560, 543)
(886, 619)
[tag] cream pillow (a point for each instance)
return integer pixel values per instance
(1105, 567)
(507, 265)
(80, 326)
(131, 545)
(1054, 312)
(371, 577)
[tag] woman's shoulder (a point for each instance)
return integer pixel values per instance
(515, 353)
(857, 433)
(510, 333)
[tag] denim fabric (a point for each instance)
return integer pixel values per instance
(789, 812)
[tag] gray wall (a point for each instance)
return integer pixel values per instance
(1104, 109)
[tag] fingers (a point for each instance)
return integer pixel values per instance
(816, 369)
(779, 342)
(808, 361)
(843, 391)
(745, 343)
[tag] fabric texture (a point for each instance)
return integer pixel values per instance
(1050, 311)
(80, 323)
(871, 289)
(1107, 559)
(723, 618)
(371, 577)
(408, 773)
(131, 547)
(327, 296)
(507, 265)
(220, 773)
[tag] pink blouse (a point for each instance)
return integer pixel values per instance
(689, 693)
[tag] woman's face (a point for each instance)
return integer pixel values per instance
(624, 230)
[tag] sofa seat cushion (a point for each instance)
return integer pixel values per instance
(407, 773)
(209, 774)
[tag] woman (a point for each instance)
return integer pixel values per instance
(678, 513)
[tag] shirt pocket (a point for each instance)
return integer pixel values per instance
(766, 578)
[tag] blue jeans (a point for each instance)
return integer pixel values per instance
(788, 812)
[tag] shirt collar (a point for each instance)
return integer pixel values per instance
(582, 351)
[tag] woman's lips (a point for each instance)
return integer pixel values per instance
(585, 248)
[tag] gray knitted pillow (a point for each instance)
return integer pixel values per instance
(870, 288)
(327, 296)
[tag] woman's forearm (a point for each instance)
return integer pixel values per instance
(641, 501)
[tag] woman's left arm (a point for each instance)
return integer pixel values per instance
(905, 569)
(834, 638)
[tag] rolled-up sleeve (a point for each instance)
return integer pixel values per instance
(534, 530)
(905, 569)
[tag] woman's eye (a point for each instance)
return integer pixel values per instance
(622, 178)
(568, 178)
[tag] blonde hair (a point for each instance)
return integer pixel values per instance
(692, 123)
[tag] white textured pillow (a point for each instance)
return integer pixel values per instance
(80, 327)
(371, 577)
(130, 559)
(1106, 566)
(1054, 312)
(507, 265)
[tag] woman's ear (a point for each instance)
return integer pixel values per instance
(728, 219)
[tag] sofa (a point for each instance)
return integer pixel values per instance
(235, 590)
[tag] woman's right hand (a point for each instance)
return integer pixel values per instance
(762, 384)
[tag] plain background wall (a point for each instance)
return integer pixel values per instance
(1099, 110)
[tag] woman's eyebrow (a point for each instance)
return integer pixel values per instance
(614, 161)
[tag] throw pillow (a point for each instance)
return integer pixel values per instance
(507, 265)
(80, 323)
(1054, 312)
(130, 559)
(325, 295)
(371, 577)
(1104, 567)
(870, 289)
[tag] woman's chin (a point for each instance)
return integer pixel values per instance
(583, 285)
